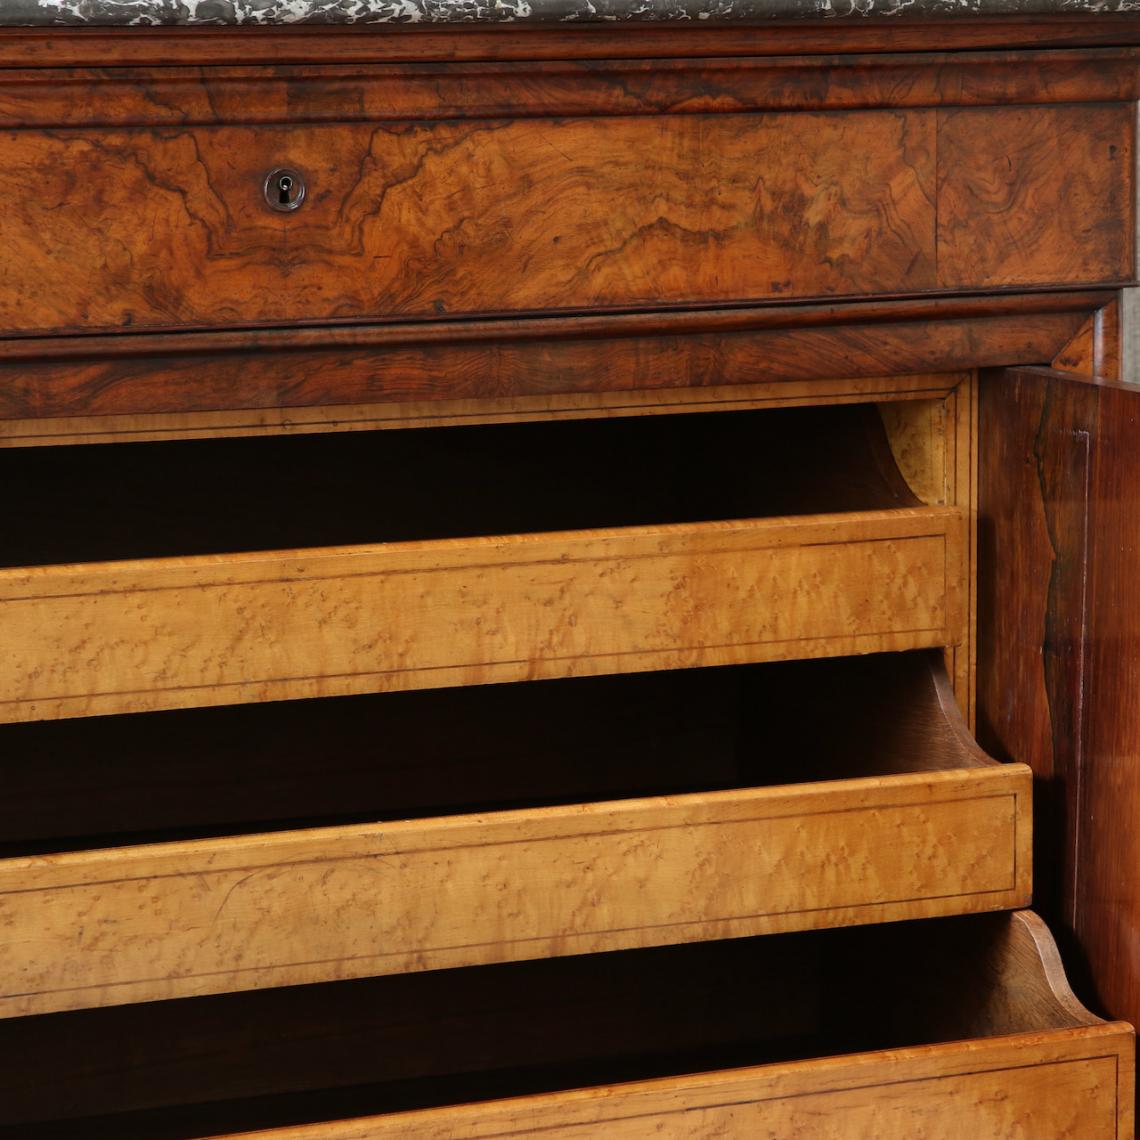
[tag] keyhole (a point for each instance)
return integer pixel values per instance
(284, 189)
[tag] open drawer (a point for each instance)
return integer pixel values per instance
(753, 800)
(938, 1030)
(462, 556)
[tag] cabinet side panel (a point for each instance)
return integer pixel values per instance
(1059, 652)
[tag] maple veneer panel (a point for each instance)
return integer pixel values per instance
(438, 219)
(1071, 1084)
(177, 919)
(89, 639)
(998, 1046)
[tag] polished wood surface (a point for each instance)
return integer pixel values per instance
(1069, 1085)
(1058, 671)
(330, 89)
(934, 444)
(172, 920)
(91, 388)
(809, 850)
(738, 619)
(539, 216)
(1030, 196)
(764, 393)
(937, 1000)
(175, 233)
(1097, 350)
(796, 537)
(200, 773)
(177, 633)
(1037, 487)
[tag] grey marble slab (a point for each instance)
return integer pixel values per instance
(268, 12)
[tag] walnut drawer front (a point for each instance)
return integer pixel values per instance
(170, 228)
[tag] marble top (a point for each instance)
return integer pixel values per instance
(267, 12)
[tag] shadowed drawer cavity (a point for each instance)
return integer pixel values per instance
(144, 577)
(777, 1036)
(718, 803)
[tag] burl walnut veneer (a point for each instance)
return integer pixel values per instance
(504, 660)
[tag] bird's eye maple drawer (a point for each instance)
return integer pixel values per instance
(941, 1030)
(754, 800)
(463, 556)
(174, 227)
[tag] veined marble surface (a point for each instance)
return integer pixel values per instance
(267, 12)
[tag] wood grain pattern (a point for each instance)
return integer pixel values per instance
(963, 413)
(882, 390)
(1059, 674)
(1038, 443)
(109, 781)
(934, 444)
(1106, 887)
(336, 1051)
(171, 633)
(172, 920)
(1070, 1085)
(453, 219)
(174, 633)
(917, 431)
(1029, 196)
(495, 190)
(1059, 1074)
(302, 369)
(336, 91)
(1097, 349)
(450, 219)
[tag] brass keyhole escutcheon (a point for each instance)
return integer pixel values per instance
(284, 189)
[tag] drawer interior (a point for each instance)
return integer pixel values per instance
(109, 781)
(123, 501)
(200, 1066)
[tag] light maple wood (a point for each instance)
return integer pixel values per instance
(1055, 1072)
(933, 444)
(1068, 1085)
(917, 433)
(90, 639)
(350, 1050)
(99, 782)
(962, 412)
(170, 920)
